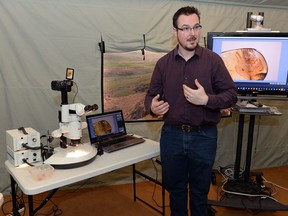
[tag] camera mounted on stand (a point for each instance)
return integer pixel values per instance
(70, 125)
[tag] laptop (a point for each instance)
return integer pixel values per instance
(108, 129)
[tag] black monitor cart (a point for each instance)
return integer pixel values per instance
(244, 180)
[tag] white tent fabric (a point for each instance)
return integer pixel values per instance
(39, 39)
(280, 4)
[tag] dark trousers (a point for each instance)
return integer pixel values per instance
(187, 159)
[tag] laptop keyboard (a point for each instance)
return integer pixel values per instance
(115, 140)
(121, 143)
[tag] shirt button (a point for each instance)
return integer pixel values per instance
(185, 80)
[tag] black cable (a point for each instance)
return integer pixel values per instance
(75, 92)
(20, 200)
(155, 184)
(23, 130)
(85, 182)
(20, 203)
(46, 151)
(55, 210)
(3, 205)
(154, 190)
(248, 191)
(26, 161)
(32, 148)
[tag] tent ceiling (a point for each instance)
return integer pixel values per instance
(281, 4)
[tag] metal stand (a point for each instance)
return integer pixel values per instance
(241, 201)
(153, 180)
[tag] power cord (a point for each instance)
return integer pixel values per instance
(248, 189)
(46, 151)
(276, 185)
(154, 189)
(255, 189)
(20, 204)
(21, 207)
(155, 160)
(55, 210)
(26, 161)
(239, 187)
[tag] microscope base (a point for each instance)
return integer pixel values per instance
(72, 156)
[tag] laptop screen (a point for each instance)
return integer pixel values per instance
(105, 125)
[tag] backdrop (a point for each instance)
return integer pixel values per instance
(39, 39)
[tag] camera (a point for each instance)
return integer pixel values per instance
(63, 86)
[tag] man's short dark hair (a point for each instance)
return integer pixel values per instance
(188, 10)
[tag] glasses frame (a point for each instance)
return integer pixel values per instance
(187, 29)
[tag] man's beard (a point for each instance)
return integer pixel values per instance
(184, 46)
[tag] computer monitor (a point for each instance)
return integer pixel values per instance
(256, 61)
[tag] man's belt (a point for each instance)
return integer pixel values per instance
(189, 128)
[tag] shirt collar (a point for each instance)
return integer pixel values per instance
(198, 51)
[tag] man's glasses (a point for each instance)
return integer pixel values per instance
(187, 29)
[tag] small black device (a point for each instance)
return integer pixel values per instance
(64, 85)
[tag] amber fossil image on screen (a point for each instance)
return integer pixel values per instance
(102, 127)
(251, 61)
(245, 64)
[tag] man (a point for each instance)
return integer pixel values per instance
(188, 87)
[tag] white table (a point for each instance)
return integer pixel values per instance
(62, 177)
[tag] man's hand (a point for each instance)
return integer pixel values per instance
(159, 107)
(195, 96)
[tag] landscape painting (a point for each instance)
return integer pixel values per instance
(126, 79)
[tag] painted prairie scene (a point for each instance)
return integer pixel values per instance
(126, 79)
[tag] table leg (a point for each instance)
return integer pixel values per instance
(134, 182)
(14, 197)
(30, 205)
(153, 180)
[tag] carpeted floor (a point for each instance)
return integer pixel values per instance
(99, 201)
(118, 199)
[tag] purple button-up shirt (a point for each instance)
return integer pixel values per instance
(171, 71)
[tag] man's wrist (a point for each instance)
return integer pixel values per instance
(153, 114)
(206, 100)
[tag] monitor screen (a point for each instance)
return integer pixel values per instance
(105, 125)
(256, 61)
